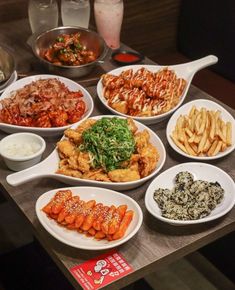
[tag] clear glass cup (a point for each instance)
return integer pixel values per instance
(75, 12)
(43, 15)
(108, 18)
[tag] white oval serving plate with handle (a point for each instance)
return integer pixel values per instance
(185, 71)
(49, 166)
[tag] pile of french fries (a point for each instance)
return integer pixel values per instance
(202, 133)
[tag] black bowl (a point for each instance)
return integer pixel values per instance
(126, 57)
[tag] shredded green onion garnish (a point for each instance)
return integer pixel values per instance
(110, 142)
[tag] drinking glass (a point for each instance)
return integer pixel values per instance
(75, 12)
(108, 18)
(43, 15)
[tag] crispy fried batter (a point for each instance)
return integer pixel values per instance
(96, 174)
(79, 164)
(148, 159)
(83, 162)
(73, 136)
(70, 172)
(123, 175)
(66, 148)
(86, 124)
(142, 140)
(132, 125)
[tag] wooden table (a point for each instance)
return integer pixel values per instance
(156, 244)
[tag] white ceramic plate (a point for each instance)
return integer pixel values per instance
(184, 110)
(47, 132)
(77, 240)
(11, 80)
(186, 71)
(201, 171)
(48, 167)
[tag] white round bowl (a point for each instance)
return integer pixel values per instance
(73, 238)
(49, 166)
(47, 132)
(202, 171)
(16, 160)
(184, 110)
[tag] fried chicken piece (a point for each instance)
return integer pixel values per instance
(83, 161)
(73, 161)
(66, 148)
(141, 140)
(132, 126)
(148, 159)
(124, 175)
(86, 124)
(121, 107)
(96, 174)
(128, 163)
(73, 136)
(69, 172)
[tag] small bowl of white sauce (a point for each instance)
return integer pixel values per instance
(22, 150)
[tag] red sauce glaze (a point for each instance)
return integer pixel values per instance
(126, 57)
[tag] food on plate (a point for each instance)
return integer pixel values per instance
(143, 93)
(189, 199)
(20, 148)
(43, 103)
(89, 217)
(108, 149)
(202, 132)
(68, 50)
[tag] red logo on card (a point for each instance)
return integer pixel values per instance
(101, 270)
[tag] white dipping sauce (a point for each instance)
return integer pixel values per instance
(21, 149)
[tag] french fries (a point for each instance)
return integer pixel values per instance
(202, 132)
(90, 218)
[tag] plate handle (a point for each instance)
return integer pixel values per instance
(201, 63)
(28, 174)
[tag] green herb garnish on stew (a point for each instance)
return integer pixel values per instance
(109, 142)
(60, 39)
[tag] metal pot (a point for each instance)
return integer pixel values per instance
(90, 39)
(7, 65)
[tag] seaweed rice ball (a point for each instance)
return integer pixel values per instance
(184, 177)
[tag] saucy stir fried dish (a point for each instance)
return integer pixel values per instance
(189, 199)
(68, 50)
(143, 93)
(89, 217)
(43, 103)
(109, 149)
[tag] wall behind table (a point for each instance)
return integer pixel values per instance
(149, 26)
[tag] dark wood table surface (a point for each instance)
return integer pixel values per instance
(156, 244)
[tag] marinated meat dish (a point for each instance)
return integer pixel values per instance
(143, 93)
(68, 50)
(43, 103)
